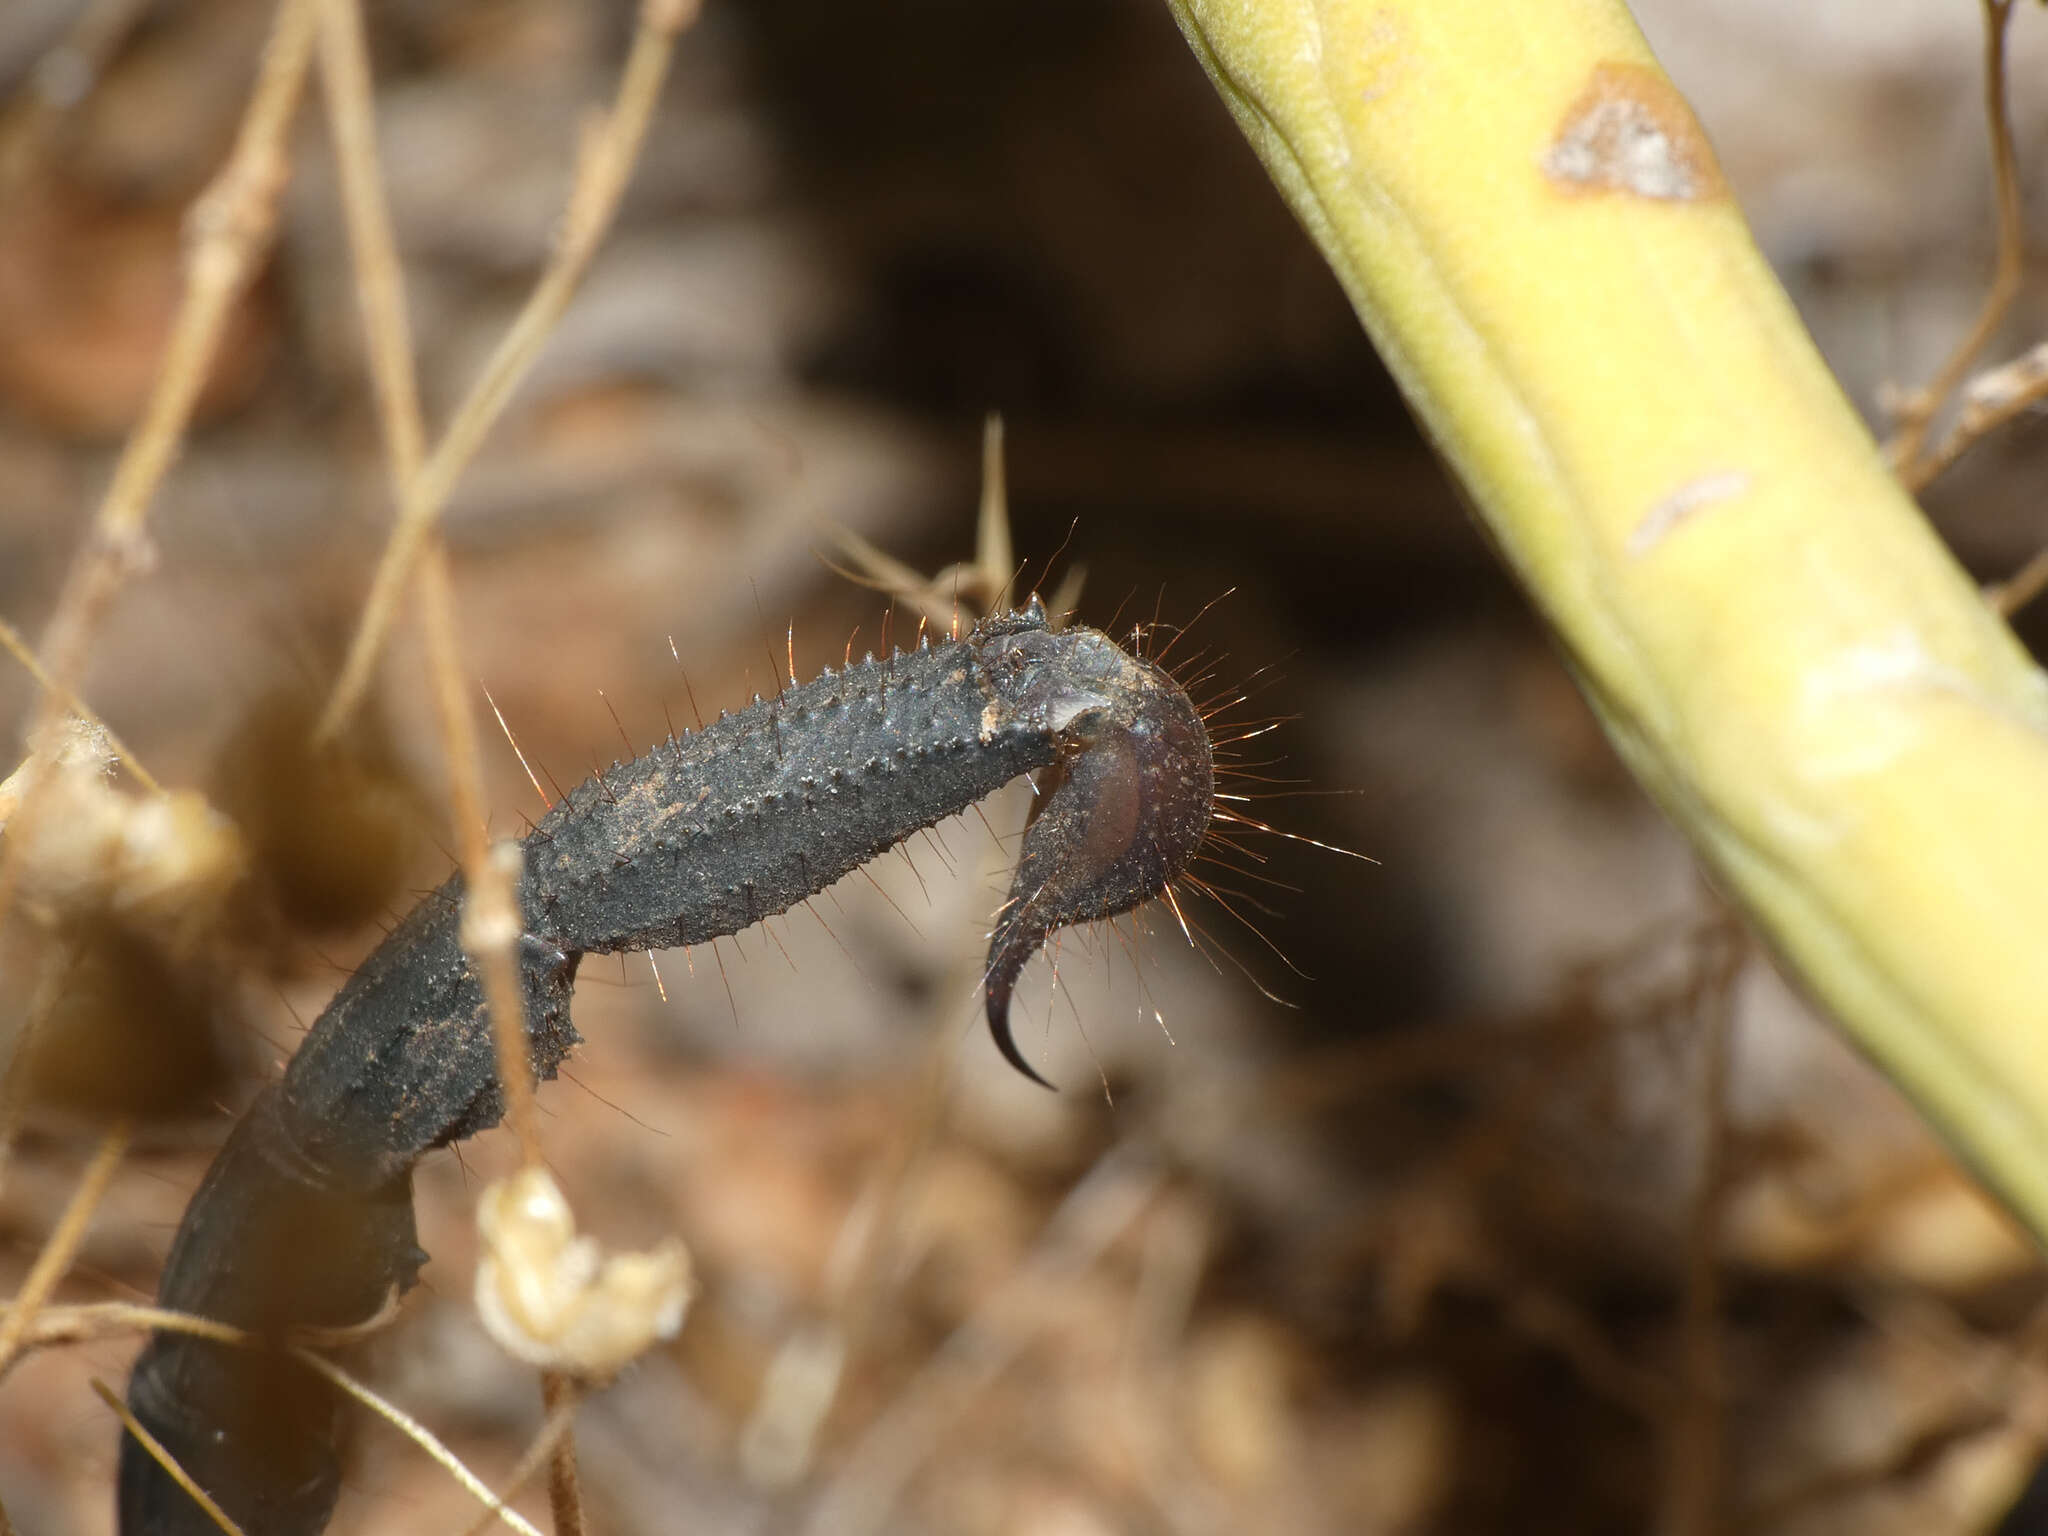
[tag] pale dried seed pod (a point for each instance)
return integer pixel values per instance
(554, 1300)
(166, 860)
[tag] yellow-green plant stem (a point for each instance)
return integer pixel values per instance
(1539, 242)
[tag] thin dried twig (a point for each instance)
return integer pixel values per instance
(11, 640)
(165, 1459)
(55, 1259)
(565, 1498)
(2022, 587)
(1907, 449)
(491, 919)
(540, 1453)
(2004, 393)
(380, 284)
(420, 1436)
(98, 1320)
(491, 923)
(1990, 400)
(993, 551)
(229, 229)
(85, 1322)
(603, 168)
(986, 583)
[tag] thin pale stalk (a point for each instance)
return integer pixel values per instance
(603, 169)
(229, 228)
(421, 1436)
(565, 1495)
(17, 647)
(165, 1459)
(87, 1321)
(1907, 449)
(542, 1451)
(491, 923)
(54, 1261)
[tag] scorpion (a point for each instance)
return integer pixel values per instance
(305, 1219)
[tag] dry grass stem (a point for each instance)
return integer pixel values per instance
(1990, 400)
(984, 583)
(565, 1497)
(1907, 449)
(165, 1459)
(490, 916)
(89, 1321)
(55, 1258)
(93, 1321)
(421, 1436)
(379, 279)
(603, 168)
(84, 1322)
(553, 1430)
(491, 923)
(994, 552)
(17, 647)
(2022, 587)
(229, 228)
(880, 571)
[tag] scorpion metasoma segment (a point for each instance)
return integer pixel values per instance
(305, 1219)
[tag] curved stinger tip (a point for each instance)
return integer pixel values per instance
(1002, 977)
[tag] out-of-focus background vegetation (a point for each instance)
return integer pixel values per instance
(1460, 1239)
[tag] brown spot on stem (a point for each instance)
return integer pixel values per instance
(1631, 132)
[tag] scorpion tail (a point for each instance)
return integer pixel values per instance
(265, 1247)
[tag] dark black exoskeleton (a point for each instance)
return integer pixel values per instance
(306, 1219)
